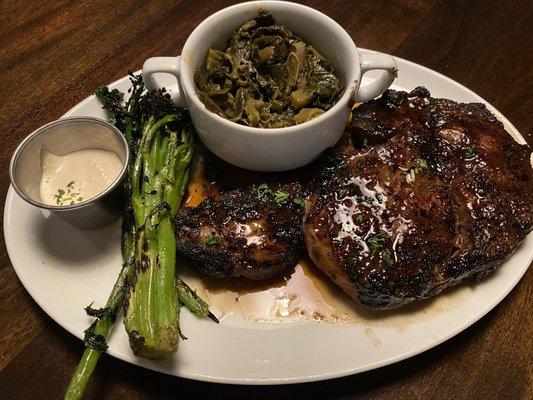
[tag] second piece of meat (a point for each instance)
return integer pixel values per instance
(253, 233)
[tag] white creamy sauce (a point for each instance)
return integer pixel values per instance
(77, 176)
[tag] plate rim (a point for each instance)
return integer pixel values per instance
(435, 341)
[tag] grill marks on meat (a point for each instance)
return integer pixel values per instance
(374, 227)
(241, 234)
(430, 193)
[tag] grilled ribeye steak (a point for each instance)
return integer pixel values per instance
(427, 193)
(253, 233)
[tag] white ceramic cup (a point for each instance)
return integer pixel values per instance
(276, 149)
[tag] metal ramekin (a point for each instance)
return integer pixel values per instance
(62, 137)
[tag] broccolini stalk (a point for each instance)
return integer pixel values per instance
(160, 174)
(130, 118)
(97, 333)
(194, 303)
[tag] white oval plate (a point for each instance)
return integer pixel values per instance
(64, 269)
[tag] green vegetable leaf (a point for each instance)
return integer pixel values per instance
(306, 114)
(99, 312)
(267, 77)
(387, 257)
(280, 197)
(367, 199)
(112, 102)
(342, 192)
(376, 242)
(300, 201)
(212, 240)
(261, 191)
(470, 152)
(93, 340)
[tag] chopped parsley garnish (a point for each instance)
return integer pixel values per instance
(70, 196)
(365, 143)
(342, 192)
(261, 191)
(367, 199)
(376, 242)
(359, 217)
(387, 258)
(470, 152)
(280, 197)
(59, 196)
(212, 240)
(300, 201)
(423, 163)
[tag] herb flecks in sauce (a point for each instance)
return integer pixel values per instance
(68, 196)
(267, 77)
(77, 176)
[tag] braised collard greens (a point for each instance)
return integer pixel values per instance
(267, 77)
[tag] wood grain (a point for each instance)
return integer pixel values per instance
(54, 54)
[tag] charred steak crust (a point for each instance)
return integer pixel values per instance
(243, 233)
(428, 193)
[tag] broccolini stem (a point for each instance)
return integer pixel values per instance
(103, 325)
(194, 303)
(160, 175)
(138, 114)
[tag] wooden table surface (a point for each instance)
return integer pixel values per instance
(54, 54)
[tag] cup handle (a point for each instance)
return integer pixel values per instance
(369, 62)
(169, 65)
